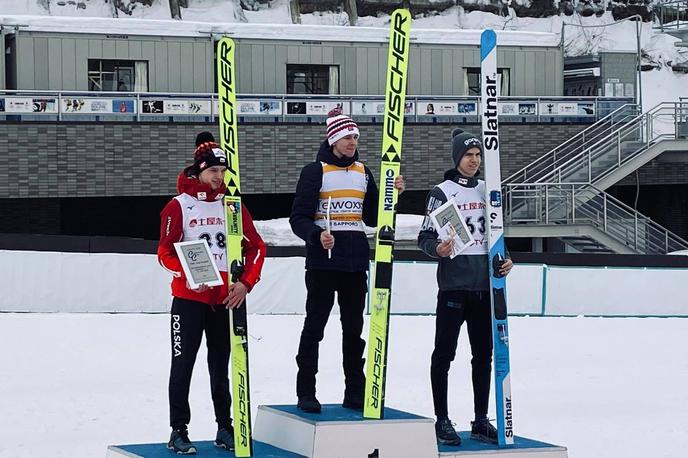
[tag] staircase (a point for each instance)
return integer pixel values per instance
(562, 193)
(586, 218)
(544, 167)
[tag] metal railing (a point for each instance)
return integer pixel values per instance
(607, 145)
(666, 121)
(677, 10)
(548, 204)
(540, 169)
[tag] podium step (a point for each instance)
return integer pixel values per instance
(522, 448)
(344, 433)
(204, 449)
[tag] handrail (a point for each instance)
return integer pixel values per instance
(645, 122)
(675, 5)
(580, 136)
(584, 155)
(601, 210)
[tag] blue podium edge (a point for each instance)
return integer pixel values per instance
(204, 449)
(469, 445)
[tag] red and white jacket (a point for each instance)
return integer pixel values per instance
(197, 212)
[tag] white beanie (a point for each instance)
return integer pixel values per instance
(339, 126)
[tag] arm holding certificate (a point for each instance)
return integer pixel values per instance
(192, 236)
(451, 226)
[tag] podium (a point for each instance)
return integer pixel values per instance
(344, 433)
(284, 431)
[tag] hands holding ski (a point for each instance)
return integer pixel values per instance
(444, 249)
(506, 267)
(236, 294)
(400, 183)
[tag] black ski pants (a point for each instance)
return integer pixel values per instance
(453, 309)
(189, 319)
(351, 288)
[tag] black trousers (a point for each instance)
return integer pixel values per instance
(453, 309)
(188, 321)
(351, 288)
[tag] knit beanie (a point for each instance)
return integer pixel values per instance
(339, 126)
(208, 154)
(203, 137)
(462, 142)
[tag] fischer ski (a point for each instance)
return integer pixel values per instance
(395, 96)
(495, 235)
(238, 322)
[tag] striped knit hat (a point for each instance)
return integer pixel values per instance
(208, 154)
(339, 125)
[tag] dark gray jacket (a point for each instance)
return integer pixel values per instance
(468, 271)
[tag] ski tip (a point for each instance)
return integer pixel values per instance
(488, 41)
(401, 11)
(226, 39)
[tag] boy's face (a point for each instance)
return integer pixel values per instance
(345, 146)
(470, 162)
(213, 176)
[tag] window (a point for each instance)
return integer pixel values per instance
(117, 75)
(312, 79)
(472, 81)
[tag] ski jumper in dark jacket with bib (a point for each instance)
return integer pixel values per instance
(354, 195)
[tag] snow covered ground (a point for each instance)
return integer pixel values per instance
(606, 388)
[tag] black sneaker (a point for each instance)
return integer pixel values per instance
(483, 431)
(179, 442)
(353, 402)
(445, 432)
(225, 438)
(309, 404)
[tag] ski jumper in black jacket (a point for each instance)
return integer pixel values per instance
(354, 195)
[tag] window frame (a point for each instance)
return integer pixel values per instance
(315, 79)
(118, 68)
(501, 71)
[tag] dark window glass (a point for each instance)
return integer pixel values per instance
(309, 79)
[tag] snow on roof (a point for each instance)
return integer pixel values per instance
(150, 27)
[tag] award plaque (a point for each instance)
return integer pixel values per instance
(198, 263)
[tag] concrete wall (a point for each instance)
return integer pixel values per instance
(139, 159)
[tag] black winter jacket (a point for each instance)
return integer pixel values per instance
(351, 252)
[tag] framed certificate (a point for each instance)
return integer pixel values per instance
(450, 224)
(198, 263)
